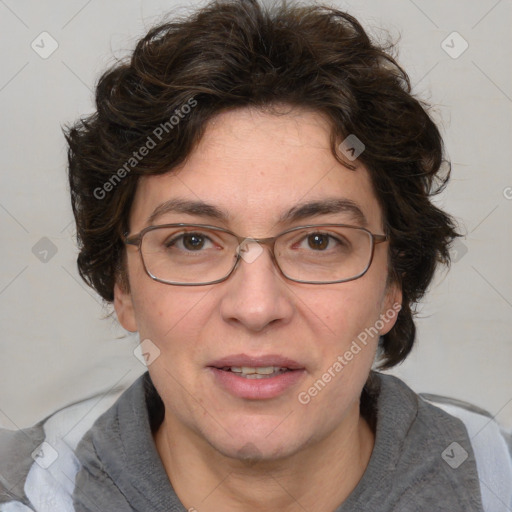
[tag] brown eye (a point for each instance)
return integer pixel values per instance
(318, 241)
(189, 242)
(193, 241)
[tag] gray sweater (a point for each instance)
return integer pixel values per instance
(99, 455)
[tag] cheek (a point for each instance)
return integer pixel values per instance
(342, 313)
(343, 322)
(170, 316)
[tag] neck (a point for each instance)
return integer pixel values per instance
(320, 477)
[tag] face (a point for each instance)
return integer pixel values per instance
(255, 167)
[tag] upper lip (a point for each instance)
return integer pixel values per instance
(266, 360)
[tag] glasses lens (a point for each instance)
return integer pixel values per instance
(324, 253)
(188, 254)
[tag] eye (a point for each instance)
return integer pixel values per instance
(189, 242)
(320, 242)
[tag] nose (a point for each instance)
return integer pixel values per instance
(256, 294)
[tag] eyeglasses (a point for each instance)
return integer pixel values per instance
(197, 254)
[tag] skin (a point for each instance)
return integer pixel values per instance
(227, 453)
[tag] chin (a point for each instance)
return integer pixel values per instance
(253, 448)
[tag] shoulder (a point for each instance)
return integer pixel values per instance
(38, 463)
(461, 445)
(492, 446)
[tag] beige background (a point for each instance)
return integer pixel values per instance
(57, 346)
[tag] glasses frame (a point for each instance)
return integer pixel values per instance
(136, 240)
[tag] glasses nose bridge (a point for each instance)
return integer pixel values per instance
(268, 242)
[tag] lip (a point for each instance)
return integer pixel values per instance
(256, 389)
(255, 361)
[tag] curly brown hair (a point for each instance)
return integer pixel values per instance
(233, 54)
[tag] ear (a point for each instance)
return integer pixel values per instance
(391, 305)
(123, 305)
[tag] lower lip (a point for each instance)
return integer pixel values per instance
(257, 389)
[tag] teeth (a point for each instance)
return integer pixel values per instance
(253, 372)
(255, 376)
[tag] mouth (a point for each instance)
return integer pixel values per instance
(256, 378)
(259, 372)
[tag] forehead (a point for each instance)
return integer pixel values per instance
(255, 168)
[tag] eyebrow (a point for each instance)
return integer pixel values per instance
(189, 207)
(296, 213)
(324, 207)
